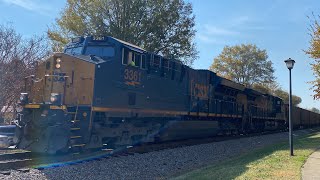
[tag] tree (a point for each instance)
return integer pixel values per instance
(314, 52)
(296, 100)
(245, 64)
(162, 26)
(269, 88)
(316, 110)
(275, 90)
(17, 60)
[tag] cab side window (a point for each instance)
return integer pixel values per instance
(126, 56)
(173, 69)
(156, 62)
(149, 59)
(165, 68)
(143, 62)
(131, 58)
(137, 59)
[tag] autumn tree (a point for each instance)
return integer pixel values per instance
(275, 90)
(162, 26)
(296, 100)
(267, 88)
(18, 59)
(314, 52)
(316, 110)
(245, 64)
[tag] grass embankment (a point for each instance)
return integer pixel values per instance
(272, 162)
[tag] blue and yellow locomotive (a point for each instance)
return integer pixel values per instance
(102, 92)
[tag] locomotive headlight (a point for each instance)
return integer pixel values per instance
(58, 61)
(23, 98)
(58, 66)
(55, 98)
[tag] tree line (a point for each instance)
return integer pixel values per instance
(248, 65)
(166, 27)
(18, 59)
(162, 26)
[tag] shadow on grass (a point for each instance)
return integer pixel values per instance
(273, 161)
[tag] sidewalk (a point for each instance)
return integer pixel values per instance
(311, 169)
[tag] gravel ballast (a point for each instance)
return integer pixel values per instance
(158, 164)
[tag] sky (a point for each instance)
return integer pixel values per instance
(278, 26)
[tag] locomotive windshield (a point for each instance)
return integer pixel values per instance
(74, 50)
(101, 51)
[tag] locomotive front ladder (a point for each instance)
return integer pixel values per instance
(76, 139)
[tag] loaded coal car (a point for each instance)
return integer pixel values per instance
(314, 119)
(102, 92)
(302, 118)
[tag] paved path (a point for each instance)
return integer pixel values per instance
(311, 169)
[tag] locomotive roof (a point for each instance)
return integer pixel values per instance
(100, 40)
(129, 44)
(232, 84)
(89, 58)
(81, 40)
(241, 87)
(254, 92)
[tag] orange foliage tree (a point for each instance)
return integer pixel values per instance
(314, 52)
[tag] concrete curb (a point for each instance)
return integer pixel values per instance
(311, 169)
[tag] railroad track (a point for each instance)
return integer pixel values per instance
(16, 160)
(16, 155)
(145, 148)
(19, 161)
(23, 160)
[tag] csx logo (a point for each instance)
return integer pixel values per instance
(58, 77)
(199, 90)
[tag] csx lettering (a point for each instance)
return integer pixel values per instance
(200, 90)
(58, 77)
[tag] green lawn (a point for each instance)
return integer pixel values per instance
(272, 162)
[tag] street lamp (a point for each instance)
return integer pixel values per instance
(290, 63)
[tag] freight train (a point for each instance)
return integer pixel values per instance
(102, 92)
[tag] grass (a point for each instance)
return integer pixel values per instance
(272, 162)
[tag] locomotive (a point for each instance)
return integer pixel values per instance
(102, 92)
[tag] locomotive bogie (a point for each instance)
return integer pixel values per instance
(45, 130)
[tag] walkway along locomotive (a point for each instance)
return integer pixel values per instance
(104, 92)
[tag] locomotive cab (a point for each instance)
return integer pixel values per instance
(60, 89)
(58, 100)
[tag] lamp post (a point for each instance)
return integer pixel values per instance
(290, 63)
